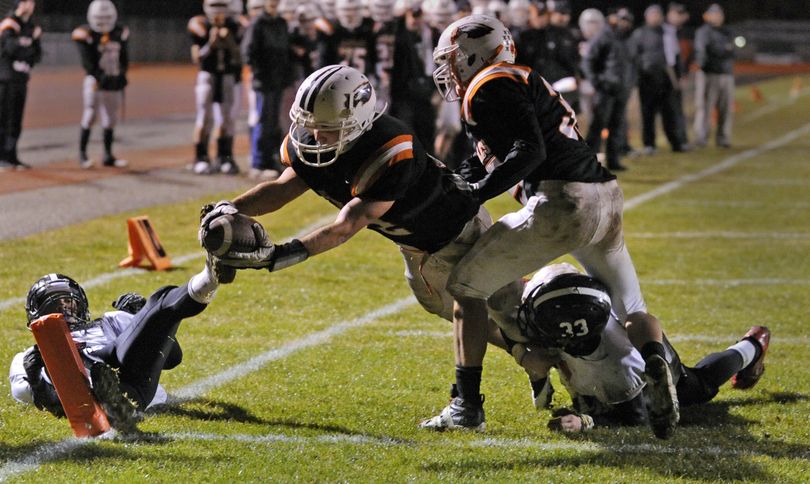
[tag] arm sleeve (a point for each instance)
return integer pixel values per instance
(124, 51)
(506, 116)
(10, 43)
(86, 52)
(20, 389)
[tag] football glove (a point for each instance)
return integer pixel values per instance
(268, 255)
(566, 420)
(211, 211)
(130, 302)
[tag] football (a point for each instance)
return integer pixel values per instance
(230, 232)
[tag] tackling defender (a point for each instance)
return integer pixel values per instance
(377, 173)
(103, 47)
(527, 136)
(138, 339)
(565, 320)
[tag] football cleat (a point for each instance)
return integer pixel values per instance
(115, 162)
(458, 415)
(85, 163)
(661, 397)
(228, 167)
(201, 167)
(750, 375)
(121, 411)
(222, 273)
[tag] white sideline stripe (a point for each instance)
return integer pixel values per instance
(313, 339)
(714, 169)
(111, 276)
(39, 456)
(629, 204)
(698, 338)
(720, 234)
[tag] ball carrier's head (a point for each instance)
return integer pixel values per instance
(335, 105)
(568, 310)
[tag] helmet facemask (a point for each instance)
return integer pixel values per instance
(446, 76)
(56, 294)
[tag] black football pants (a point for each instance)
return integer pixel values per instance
(148, 345)
(12, 107)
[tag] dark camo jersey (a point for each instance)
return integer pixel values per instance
(387, 163)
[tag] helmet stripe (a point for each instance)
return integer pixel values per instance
(311, 94)
(567, 291)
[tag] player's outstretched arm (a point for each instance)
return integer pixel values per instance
(355, 215)
(272, 195)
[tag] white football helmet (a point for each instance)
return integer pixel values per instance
(255, 7)
(213, 8)
(102, 15)
(519, 13)
(591, 22)
(381, 10)
(349, 13)
(439, 13)
(465, 47)
(332, 99)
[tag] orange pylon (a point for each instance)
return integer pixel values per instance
(756, 94)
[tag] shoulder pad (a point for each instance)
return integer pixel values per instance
(9, 23)
(285, 158)
(395, 150)
(81, 34)
(197, 26)
(515, 72)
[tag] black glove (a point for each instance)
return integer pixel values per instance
(130, 302)
(45, 397)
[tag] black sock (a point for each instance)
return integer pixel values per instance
(201, 151)
(653, 348)
(84, 138)
(718, 368)
(468, 381)
(537, 386)
(225, 148)
(108, 142)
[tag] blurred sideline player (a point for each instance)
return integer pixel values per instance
(266, 49)
(20, 49)
(215, 38)
(125, 350)
(385, 33)
(527, 136)
(440, 13)
(372, 168)
(352, 43)
(565, 320)
(103, 47)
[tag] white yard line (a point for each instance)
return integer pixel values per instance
(312, 339)
(52, 451)
(727, 282)
(724, 165)
(102, 279)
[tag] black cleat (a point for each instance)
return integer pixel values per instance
(121, 411)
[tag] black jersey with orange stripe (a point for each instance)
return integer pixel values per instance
(505, 103)
(387, 163)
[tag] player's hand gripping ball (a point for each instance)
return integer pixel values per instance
(230, 233)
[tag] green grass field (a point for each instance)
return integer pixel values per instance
(335, 394)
